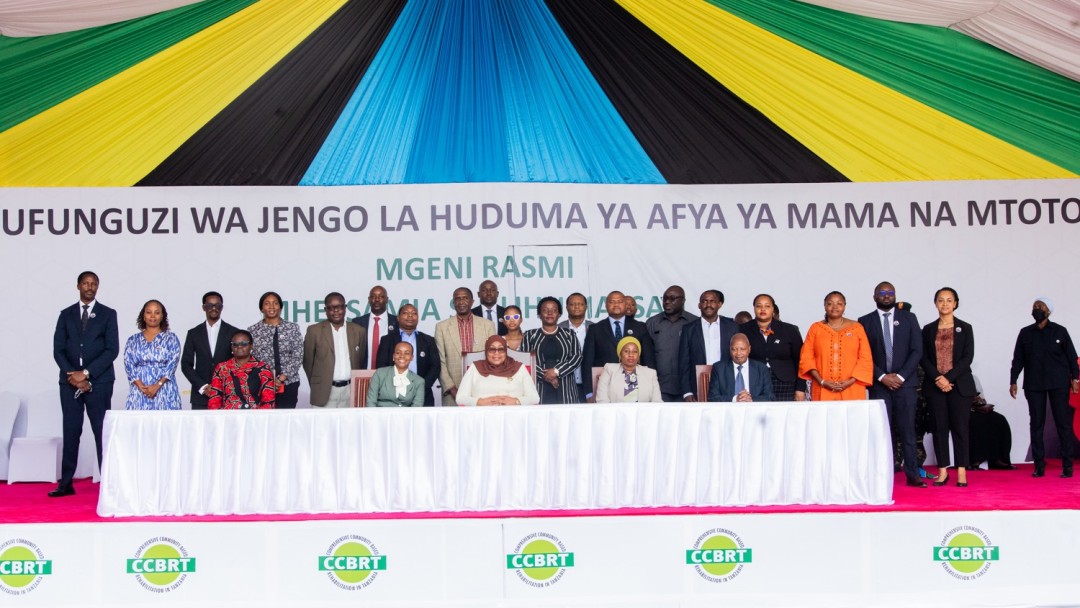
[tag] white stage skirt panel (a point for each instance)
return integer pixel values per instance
(379, 460)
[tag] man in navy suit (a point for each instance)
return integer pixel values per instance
(695, 349)
(378, 323)
(85, 344)
(896, 344)
(489, 306)
(602, 338)
(206, 345)
(740, 378)
(425, 362)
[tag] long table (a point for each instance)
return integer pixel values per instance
(385, 460)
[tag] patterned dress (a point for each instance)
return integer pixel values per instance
(290, 347)
(238, 387)
(561, 351)
(149, 362)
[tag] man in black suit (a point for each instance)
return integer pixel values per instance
(896, 344)
(1045, 353)
(378, 323)
(425, 362)
(489, 308)
(206, 345)
(695, 350)
(602, 339)
(740, 378)
(85, 343)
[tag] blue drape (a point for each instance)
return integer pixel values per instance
(479, 90)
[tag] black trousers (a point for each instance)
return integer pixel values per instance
(95, 404)
(1063, 420)
(952, 413)
(901, 408)
(286, 400)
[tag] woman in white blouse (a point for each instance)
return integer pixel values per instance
(497, 379)
(626, 381)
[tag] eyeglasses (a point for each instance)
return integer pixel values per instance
(496, 350)
(674, 298)
(212, 306)
(335, 307)
(511, 317)
(244, 343)
(887, 292)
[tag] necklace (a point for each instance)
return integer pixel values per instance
(835, 327)
(550, 333)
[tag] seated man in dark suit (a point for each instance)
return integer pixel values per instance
(704, 342)
(603, 336)
(425, 361)
(740, 378)
(206, 345)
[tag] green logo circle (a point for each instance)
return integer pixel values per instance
(162, 551)
(22, 566)
(966, 553)
(352, 562)
(541, 545)
(352, 549)
(540, 560)
(719, 542)
(719, 555)
(967, 539)
(161, 564)
(18, 553)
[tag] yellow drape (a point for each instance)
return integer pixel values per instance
(116, 132)
(864, 129)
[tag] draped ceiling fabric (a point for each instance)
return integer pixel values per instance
(337, 92)
(41, 17)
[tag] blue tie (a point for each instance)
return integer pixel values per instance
(740, 384)
(618, 330)
(887, 331)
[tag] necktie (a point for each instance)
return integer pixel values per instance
(887, 331)
(85, 315)
(489, 315)
(374, 343)
(740, 384)
(277, 354)
(618, 330)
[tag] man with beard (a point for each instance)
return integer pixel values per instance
(896, 345)
(603, 337)
(425, 362)
(704, 342)
(489, 308)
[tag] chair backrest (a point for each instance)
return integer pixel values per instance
(9, 411)
(358, 387)
(704, 375)
(528, 359)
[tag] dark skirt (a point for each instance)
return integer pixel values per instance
(784, 390)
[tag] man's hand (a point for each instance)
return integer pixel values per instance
(744, 397)
(892, 381)
(1012, 391)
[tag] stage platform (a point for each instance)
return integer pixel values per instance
(1006, 540)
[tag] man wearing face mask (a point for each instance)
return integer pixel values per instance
(1045, 353)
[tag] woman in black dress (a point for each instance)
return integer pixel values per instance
(558, 354)
(777, 345)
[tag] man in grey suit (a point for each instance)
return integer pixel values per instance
(896, 344)
(332, 349)
(576, 307)
(206, 345)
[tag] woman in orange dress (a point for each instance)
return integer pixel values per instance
(836, 355)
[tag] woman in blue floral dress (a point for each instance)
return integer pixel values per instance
(150, 360)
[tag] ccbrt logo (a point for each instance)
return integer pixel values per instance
(352, 562)
(719, 555)
(161, 565)
(22, 566)
(966, 553)
(540, 560)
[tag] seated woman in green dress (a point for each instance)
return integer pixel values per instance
(396, 386)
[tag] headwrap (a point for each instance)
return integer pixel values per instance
(627, 340)
(508, 368)
(1046, 300)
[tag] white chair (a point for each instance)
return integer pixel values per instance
(9, 411)
(37, 455)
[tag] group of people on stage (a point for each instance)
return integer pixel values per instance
(752, 359)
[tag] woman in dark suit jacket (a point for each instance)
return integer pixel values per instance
(777, 345)
(948, 349)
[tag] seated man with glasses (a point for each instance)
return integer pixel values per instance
(206, 345)
(242, 382)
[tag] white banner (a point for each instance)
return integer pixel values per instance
(998, 243)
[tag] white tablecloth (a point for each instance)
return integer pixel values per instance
(495, 458)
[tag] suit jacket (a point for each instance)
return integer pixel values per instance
(692, 350)
(319, 356)
(426, 356)
(600, 345)
(610, 385)
(449, 345)
(963, 353)
(906, 342)
(382, 389)
(782, 351)
(566, 323)
(97, 347)
(499, 312)
(391, 328)
(197, 363)
(722, 381)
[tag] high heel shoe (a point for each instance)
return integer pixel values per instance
(941, 482)
(961, 484)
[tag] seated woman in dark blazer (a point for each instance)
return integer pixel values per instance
(777, 345)
(948, 349)
(395, 385)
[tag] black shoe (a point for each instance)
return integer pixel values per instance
(1066, 473)
(938, 484)
(961, 484)
(1040, 470)
(62, 491)
(1001, 467)
(915, 483)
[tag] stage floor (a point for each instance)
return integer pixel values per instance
(988, 491)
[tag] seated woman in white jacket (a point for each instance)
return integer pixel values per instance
(626, 381)
(497, 379)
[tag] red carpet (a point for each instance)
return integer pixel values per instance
(988, 491)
